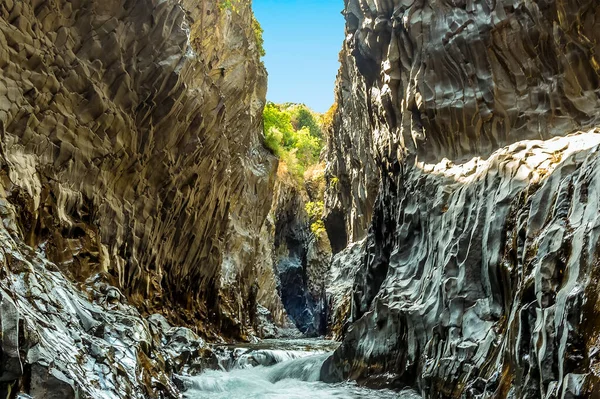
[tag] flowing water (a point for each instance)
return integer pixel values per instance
(278, 369)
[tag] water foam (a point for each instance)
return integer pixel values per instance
(278, 374)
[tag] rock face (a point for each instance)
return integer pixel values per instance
(480, 268)
(470, 80)
(117, 120)
(131, 161)
(59, 341)
(301, 258)
(342, 272)
(351, 171)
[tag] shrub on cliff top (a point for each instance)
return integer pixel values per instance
(258, 36)
(292, 132)
(234, 5)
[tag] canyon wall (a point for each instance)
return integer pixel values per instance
(351, 172)
(301, 257)
(131, 161)
(479, 271)
(118, 118)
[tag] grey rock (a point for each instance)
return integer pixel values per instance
(11, 367)
(479, 270)
(301, 259)
(351, 173)
(50, 383)
(117, 118)
(515, 243)
(342, 274)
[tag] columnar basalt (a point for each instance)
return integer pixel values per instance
(131, 159)
(479, 269)
(134, 129)
(447, 79)
(351, 172)
(463, 198)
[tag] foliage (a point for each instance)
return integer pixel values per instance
(233, 5)
(334, 181)
(327, 118)
(258, 36)
(303, 117)
(308, 147)
(295, 134)
(227, 5)
(291, 134)
(275, 118)
(318, 228)
(273, 138)
(293, 164)
(315, 209)
(315, 212)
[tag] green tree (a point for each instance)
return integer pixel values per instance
(293, 133)
(308, 147)
(303, 117)
(274, 117)
(273, 138)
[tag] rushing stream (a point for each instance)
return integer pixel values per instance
(278, 369)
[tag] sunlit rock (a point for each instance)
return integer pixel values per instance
(479, 270)
(133, 181)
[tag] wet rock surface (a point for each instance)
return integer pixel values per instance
(490, 298)
(343, 270)
(478, 276)
(62, 340)
(141, 214)
(277, 369)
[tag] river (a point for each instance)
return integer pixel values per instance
(278, 369)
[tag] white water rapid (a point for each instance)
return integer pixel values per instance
(278, 370)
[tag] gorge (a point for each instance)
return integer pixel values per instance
(157, 240)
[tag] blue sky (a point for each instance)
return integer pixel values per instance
(302, 41)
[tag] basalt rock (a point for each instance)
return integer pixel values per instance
(480, 268)
(343, 269)
(301, 258)
(461, 79)
(134, 129)
(131, 161)
(59, 341)
(351, 171)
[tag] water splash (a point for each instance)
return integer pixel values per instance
(260, 373)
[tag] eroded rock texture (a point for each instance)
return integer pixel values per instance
(133, 128)
(130, 163)
(342, 273)
(456, 79)
(62, 340)
(479, 276)
(351, 172)
(301, 258)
